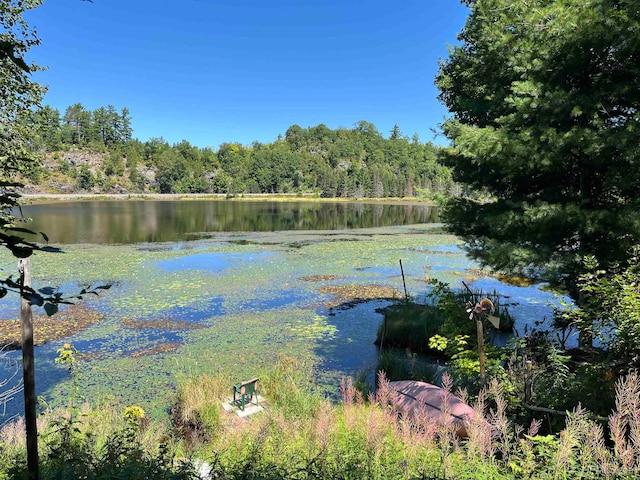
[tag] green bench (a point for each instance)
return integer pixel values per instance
(243, 393)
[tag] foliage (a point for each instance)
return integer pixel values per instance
(545, 98)
(118, 454)
(612, 299)
(352, 163)
(83, 443)
(357, 439)
(19, 95)
(442, 328)
(458, 337)
(558, 378)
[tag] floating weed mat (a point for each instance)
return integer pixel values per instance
(442, 252)
(162, 348)
(346, 295)
(65, 323)
(478, 273)
(320, 278)
(162, 324)
(516, 280)
(318, 328)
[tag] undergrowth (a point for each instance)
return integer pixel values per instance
(301, 435)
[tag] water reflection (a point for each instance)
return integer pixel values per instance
(135, 221)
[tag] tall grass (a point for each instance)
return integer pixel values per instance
(196, 413)
(301, 435)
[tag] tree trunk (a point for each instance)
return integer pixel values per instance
(28, 370)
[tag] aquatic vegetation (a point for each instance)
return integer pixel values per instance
(316, 329)
(516, 280)
(165, 324)
(162, 348)
(410, 325)
(349, 294)
(158, 324)
(66, 323)
(320, 278)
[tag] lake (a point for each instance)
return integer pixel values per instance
(193, 298)
(136, 221)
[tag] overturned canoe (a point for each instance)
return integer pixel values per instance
(420, 399)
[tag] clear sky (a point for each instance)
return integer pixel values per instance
(214, 71)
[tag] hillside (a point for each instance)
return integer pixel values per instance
(93, 152)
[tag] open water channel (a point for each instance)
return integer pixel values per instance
(227, 286)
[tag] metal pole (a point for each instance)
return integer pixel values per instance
(28, 369)
(481, 351)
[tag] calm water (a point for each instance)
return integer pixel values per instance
(134, 221)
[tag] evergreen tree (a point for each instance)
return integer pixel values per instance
(395, 133)
(545, 97)
(48, 123)
(77, 125)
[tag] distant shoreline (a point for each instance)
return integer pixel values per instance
(45, 197)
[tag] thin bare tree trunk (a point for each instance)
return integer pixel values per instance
(28, 370)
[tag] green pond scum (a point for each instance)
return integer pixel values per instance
(231, 303)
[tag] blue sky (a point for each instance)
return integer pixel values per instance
(219, 71)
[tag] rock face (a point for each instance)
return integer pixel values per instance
(77, 159)
(420, 400)
(70, 172)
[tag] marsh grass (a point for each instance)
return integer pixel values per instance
(290, 388)
(409, 325)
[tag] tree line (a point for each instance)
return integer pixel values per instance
(343, 162)
(104, 126)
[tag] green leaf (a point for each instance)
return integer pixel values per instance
(34, 299)
(50, 308)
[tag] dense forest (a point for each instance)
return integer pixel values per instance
(94, 151)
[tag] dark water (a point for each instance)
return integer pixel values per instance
(134, 221)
